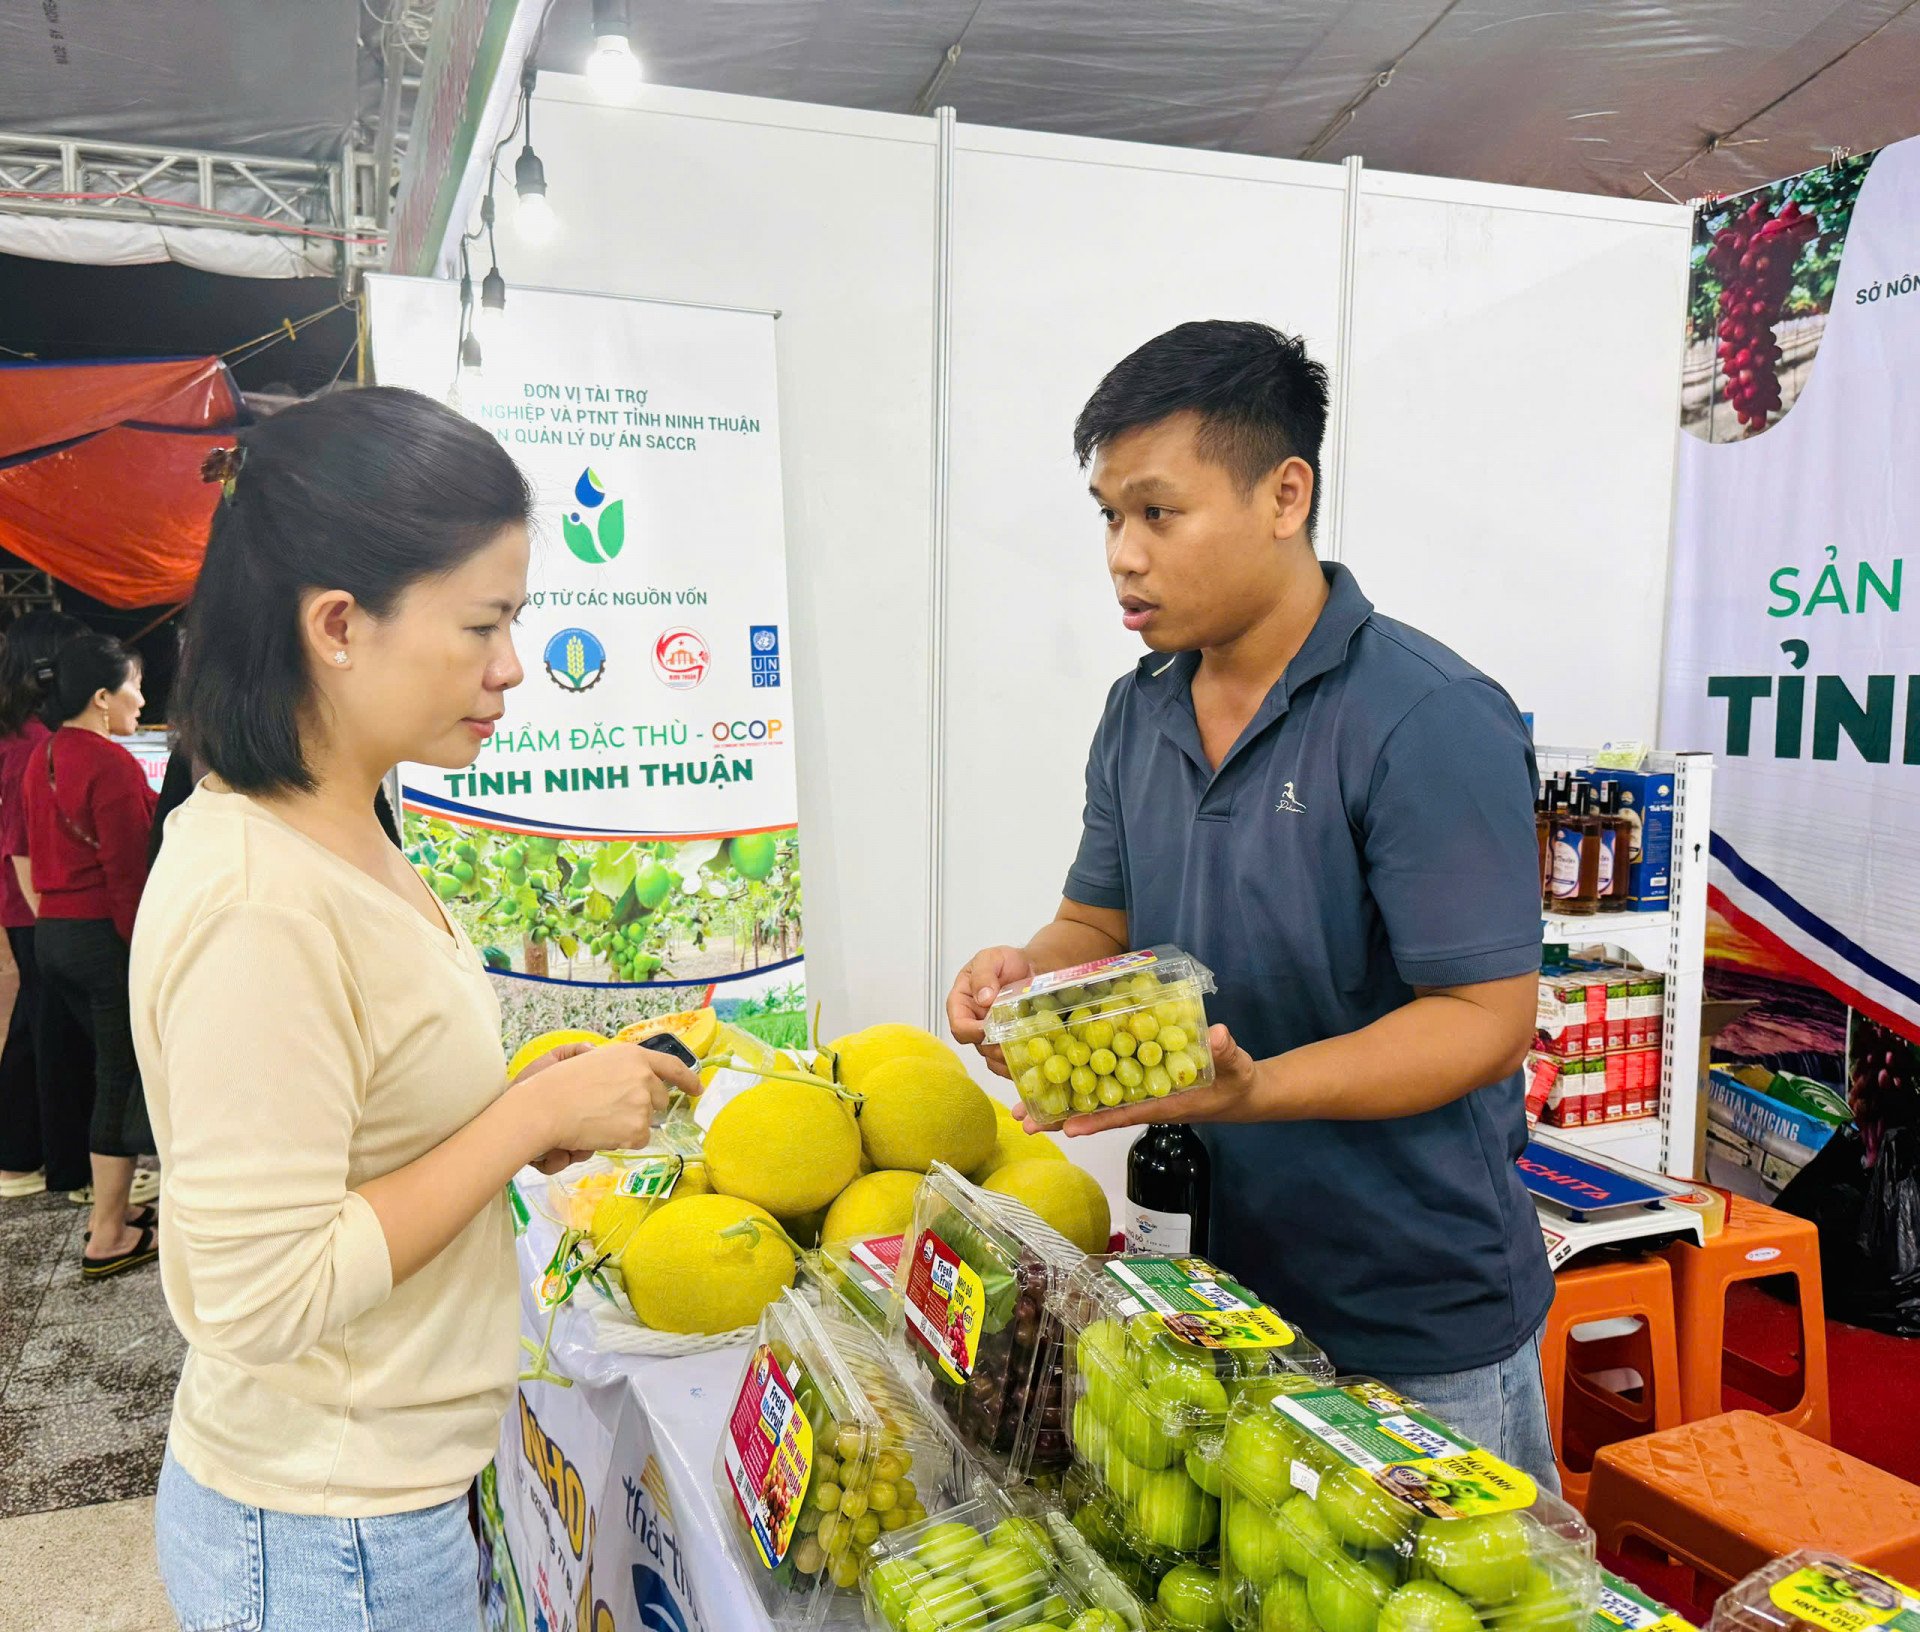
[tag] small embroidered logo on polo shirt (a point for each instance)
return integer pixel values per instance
(1289, 804)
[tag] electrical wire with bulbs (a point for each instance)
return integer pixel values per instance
(614, 70)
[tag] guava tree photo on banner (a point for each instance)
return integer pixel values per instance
(1793, 643)
(626, 844)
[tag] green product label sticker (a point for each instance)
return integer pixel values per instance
(1191, 1300)
(1846, 1598)
(517, 1205)
(1412, 1456)
(1623, 1607)
(652, 1178)
(555, 1284)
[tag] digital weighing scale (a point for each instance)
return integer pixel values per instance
(1584, 1201)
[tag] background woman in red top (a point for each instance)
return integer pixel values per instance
(43, 1142)
(89, 812)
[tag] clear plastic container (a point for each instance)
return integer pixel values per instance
(1811, 1591)
(1158, 1351)
(1623, 1607)
(826, 1451)
(858, 1275)
(1350, 1508)
(971, 1303)
(978, 1566)
(1115, 1032)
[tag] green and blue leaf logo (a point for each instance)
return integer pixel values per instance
(596, 530)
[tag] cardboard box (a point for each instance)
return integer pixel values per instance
(1646, 798)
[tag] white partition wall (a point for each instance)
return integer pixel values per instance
(1066, 255)
(1514, 380)
(829, 218)
(950, 295)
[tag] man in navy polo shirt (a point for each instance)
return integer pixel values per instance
(1335, 813)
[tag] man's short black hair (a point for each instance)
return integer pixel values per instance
(1261, 399)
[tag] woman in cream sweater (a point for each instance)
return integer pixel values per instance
(320, 1043)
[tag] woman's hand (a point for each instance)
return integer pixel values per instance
(1228, 1098)
(602, 1097)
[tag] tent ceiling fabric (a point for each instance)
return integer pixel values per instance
(1588, 98)
(239, 76)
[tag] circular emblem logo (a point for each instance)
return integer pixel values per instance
(575, 659)
(681, 658)
(764, 640)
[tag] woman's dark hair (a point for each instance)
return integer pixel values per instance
(1261, 399)
(87, 663)
(366, 491)
(26, 663)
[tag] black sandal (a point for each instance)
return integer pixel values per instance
(143, 1251)
(145, 1218)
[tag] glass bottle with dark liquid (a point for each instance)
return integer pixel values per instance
(1576, 855)
(1615, 883)
(1169, 1191)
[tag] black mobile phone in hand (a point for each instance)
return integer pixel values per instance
(665, 1043)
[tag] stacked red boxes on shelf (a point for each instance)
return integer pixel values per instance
(1597, 1047)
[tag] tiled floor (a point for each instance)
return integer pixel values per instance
(86, 1371)
(87, 1569)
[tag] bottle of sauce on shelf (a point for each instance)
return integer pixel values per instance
(1576, 856)
(1543, 834)
(1616, 850)
(1169, 1191)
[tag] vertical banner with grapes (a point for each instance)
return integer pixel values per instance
(1793, 644)
(626, 843)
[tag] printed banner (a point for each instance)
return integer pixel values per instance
(626, 844)
(1794, 641)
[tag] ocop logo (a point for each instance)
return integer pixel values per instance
(681, 658)
(575, 659)
(595, 531)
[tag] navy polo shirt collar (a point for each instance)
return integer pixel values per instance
(1325, 648)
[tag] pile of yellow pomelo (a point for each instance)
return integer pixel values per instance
(790, 1164)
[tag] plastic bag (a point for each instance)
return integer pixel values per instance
(1869, 1224)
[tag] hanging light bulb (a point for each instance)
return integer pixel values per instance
(535, 216)
(613, 68)
(492, 313)
(470, 360)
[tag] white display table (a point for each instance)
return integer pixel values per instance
(600, 1506)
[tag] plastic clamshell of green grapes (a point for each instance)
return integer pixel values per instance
(1130, 1029)
(980, 1566)
(1312, 1542)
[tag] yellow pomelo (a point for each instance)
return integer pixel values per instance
(684, 1273)
(879, 1204)
(916, 1111)
(860, 1051)
(786, 1146)
(535, 1047)
(696, 1028)
(1066, 1197)
(1012, 1143)
(693, 1181)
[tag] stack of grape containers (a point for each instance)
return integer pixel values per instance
(971, 1306)
(1159, 1350)
(826, 1451)
(1348, 1508)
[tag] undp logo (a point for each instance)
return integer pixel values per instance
(594, 529)
(575, 660)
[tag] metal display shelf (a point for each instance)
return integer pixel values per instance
(1673, 942)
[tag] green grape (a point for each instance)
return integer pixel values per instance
(1182, 1070)
(1056, 1068)
(1143, 1026)
(1078, 1053)
(1159, 1082)
(1111, 1093)
(1031, 1083)
(1124, 1043)
(1149, 1053)
(1173, 1039)
(1103, 1062)
(1083, 1079)
(1039, 1050)
(1129, 1074)
(1099, 1034)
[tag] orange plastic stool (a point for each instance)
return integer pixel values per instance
(1582, 1414)
(1757, 1244)
(1725, 1495)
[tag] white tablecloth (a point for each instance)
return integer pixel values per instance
(601, 1506)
